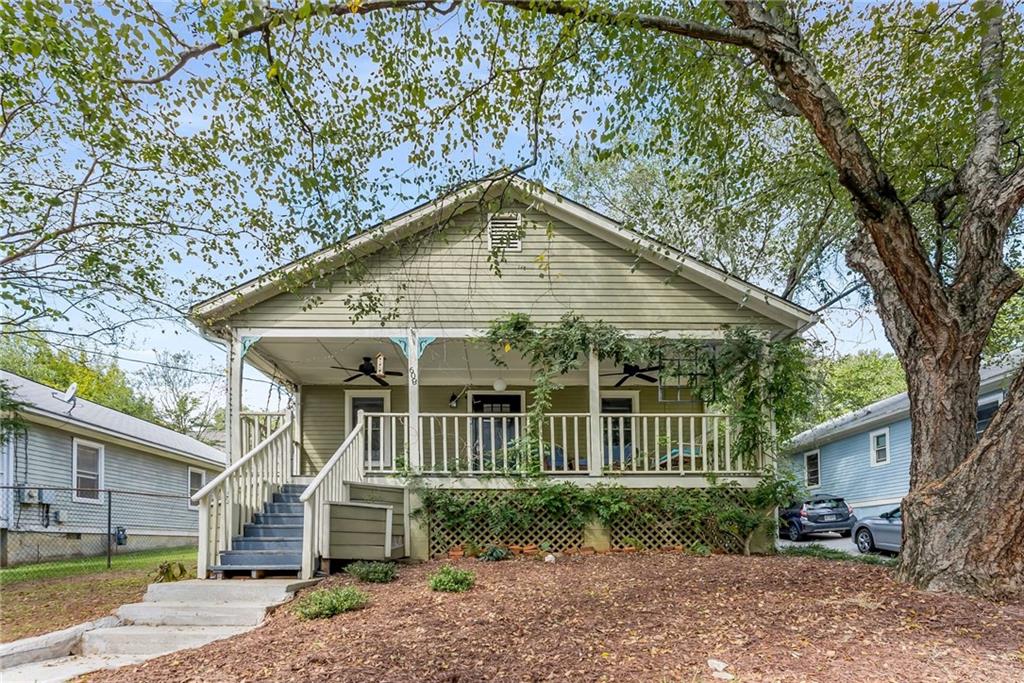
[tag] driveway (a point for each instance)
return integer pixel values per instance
(827, 539)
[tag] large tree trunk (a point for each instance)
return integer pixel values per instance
(965, 532)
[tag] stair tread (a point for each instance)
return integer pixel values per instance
(256, 567)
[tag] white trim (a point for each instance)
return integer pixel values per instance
(268, 333)
(364, 393)
(632, 394)
(385, 437)
(100, 458)
(807, 483)
(873, 452)
(470, 393)
(188, 486)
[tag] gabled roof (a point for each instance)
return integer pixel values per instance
(237, 299)
(40, 404)
(886, 411)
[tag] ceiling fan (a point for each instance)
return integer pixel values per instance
(368, 369)
(630, 370)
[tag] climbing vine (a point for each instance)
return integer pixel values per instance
(724, 515)
(750, 377)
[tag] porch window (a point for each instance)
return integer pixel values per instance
(617, 435)
(812, 469)
(87, 471)
(879, 447)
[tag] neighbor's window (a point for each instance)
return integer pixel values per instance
(986, 411)
(879, 446)
(812, 469)
(87, 470)
(196, 481)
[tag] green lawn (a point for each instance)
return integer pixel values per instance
(54, 595)
(143, 559)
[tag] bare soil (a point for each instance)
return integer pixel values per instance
(642, 617)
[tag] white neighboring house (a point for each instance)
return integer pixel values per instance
(56, 475)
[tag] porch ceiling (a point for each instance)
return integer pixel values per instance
(445, 362)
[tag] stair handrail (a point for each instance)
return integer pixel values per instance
(329, 482)
(240, 491)
(234, 467)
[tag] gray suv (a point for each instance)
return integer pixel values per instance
(884, 532)
(822, 512)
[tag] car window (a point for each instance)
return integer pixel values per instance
(824, 503)
(896, 514)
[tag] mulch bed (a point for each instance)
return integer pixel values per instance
(645, 617)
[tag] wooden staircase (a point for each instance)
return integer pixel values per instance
(272, 542)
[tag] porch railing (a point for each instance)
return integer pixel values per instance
(257, 426)
(240, 491)
(329, 486)
(492, 444)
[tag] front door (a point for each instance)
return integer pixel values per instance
(376, 454)
(498, 424)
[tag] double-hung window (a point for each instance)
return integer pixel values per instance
(196, 481)
(812, 469)
(86, 471)
(879, 447)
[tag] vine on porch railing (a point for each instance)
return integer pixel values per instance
(756, 380)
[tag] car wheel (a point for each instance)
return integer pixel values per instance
(865, 543)
(793, 532)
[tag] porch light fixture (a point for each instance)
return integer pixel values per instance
(453, 400)
(499, 384)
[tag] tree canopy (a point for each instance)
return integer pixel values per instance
(859, 379)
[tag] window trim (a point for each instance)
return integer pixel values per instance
(807, 482)
(472, 393)
(100, 475)
(632, 394)
(873, 452)
(188, 484)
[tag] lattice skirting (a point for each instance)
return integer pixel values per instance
(653, 528)
(527, 527)
(649, 525)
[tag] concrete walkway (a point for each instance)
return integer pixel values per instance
(171, 617)
(827, 539)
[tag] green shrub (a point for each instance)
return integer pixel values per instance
(167, 572)
(699, 549)
(449, 579)
(326, 602)
(494, 554)
(372, 572)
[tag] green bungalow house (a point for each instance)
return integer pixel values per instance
(409, 392)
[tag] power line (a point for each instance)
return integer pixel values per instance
(117, 357)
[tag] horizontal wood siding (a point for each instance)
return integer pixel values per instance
(43, 458)
(446, 280)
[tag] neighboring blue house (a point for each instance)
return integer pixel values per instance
(864, 456)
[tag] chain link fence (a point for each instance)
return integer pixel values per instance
(55, 531)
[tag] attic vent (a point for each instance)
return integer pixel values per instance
(504, 232)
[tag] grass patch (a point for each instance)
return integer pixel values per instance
(326, 602)
(449, 579)
(42, 598)
(372, 572)
(824, 553)
(147, 560)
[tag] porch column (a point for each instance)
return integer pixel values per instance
(297, 431)
(595, 456)
(233, 403)
(413, 356)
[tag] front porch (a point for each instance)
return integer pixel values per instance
(374, 410)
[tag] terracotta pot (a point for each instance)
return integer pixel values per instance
(455, 554)
(586, 550)
(516, 549)
(629, 549)
(530, 552)
(569, 551)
